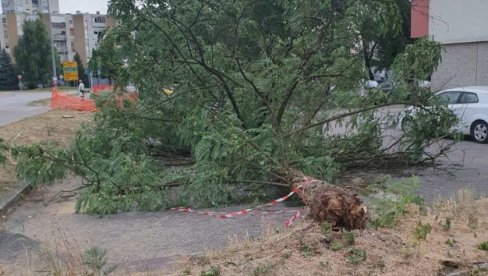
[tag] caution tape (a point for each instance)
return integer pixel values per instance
(250, 211)
(289, 222)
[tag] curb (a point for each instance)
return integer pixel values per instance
(13, 197)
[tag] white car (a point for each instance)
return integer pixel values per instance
(470, 105)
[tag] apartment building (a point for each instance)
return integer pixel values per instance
(462, 29)
(30, 6)
(70, 33)
(86, 31)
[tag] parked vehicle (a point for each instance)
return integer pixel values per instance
(469, 104)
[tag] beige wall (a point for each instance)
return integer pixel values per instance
(79, 35)
(458, 21)
(13, 33)
(110, 22)
(463, 64)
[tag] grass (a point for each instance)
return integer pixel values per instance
(394, 203)
(63, 256)
(483, 246)
(356, 255)
(374, 251)
(50, 126)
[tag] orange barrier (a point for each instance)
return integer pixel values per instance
(61, 100)
(99, 88)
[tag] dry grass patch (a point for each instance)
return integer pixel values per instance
(58, 126)
(311, 249)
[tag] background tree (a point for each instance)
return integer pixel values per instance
(382, 38)
(33, 54)
(8, 76)
(82, 75)
(107, 57)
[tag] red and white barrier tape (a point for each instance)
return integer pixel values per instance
(251, 211)
(289, 222)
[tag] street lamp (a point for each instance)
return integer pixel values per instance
(55, 75)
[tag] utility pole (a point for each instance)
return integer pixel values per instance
(55, 75)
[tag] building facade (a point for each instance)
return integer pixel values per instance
(30, 6)
(70, 33)
(462, 29)
(87, 30)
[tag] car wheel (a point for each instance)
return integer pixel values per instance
(479, 131)
(408, 124)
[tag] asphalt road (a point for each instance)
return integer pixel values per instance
(14, 105)
(465, 166)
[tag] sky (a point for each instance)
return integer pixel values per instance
(91, 6)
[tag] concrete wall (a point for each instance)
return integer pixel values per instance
(458, 21)
(463, 64)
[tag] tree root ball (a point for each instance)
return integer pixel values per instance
(333, 204)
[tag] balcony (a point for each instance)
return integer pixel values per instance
(59, 37)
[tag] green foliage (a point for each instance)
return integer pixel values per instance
(3, 149)
(348, 237)
(483, 246)
(418, 61)
(336, 246)
(8, 76)
(451, 242)
(81, 71)
(39, 164)
(420, 232)
(325, 228)
(307, 250)
(384, 31)
(446, 226)
(33, 54)
(356, 255)
(117, 170)
(426, 124)
(393, 205)
(262, 269)
(95, 260)
(254, 83)
(212, 271)
(107, 58)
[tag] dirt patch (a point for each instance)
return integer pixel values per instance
(44, 102)
(311, 249)
(58, 126)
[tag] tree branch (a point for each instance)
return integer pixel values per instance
(347, 114)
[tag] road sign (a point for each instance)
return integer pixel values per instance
(70, 69)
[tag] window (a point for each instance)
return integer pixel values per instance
(450, 97)
(99, 19)
(469, 97)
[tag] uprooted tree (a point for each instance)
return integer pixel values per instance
(246, 90)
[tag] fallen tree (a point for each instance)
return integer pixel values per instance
(253, 84)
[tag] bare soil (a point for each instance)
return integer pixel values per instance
(58, 126)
